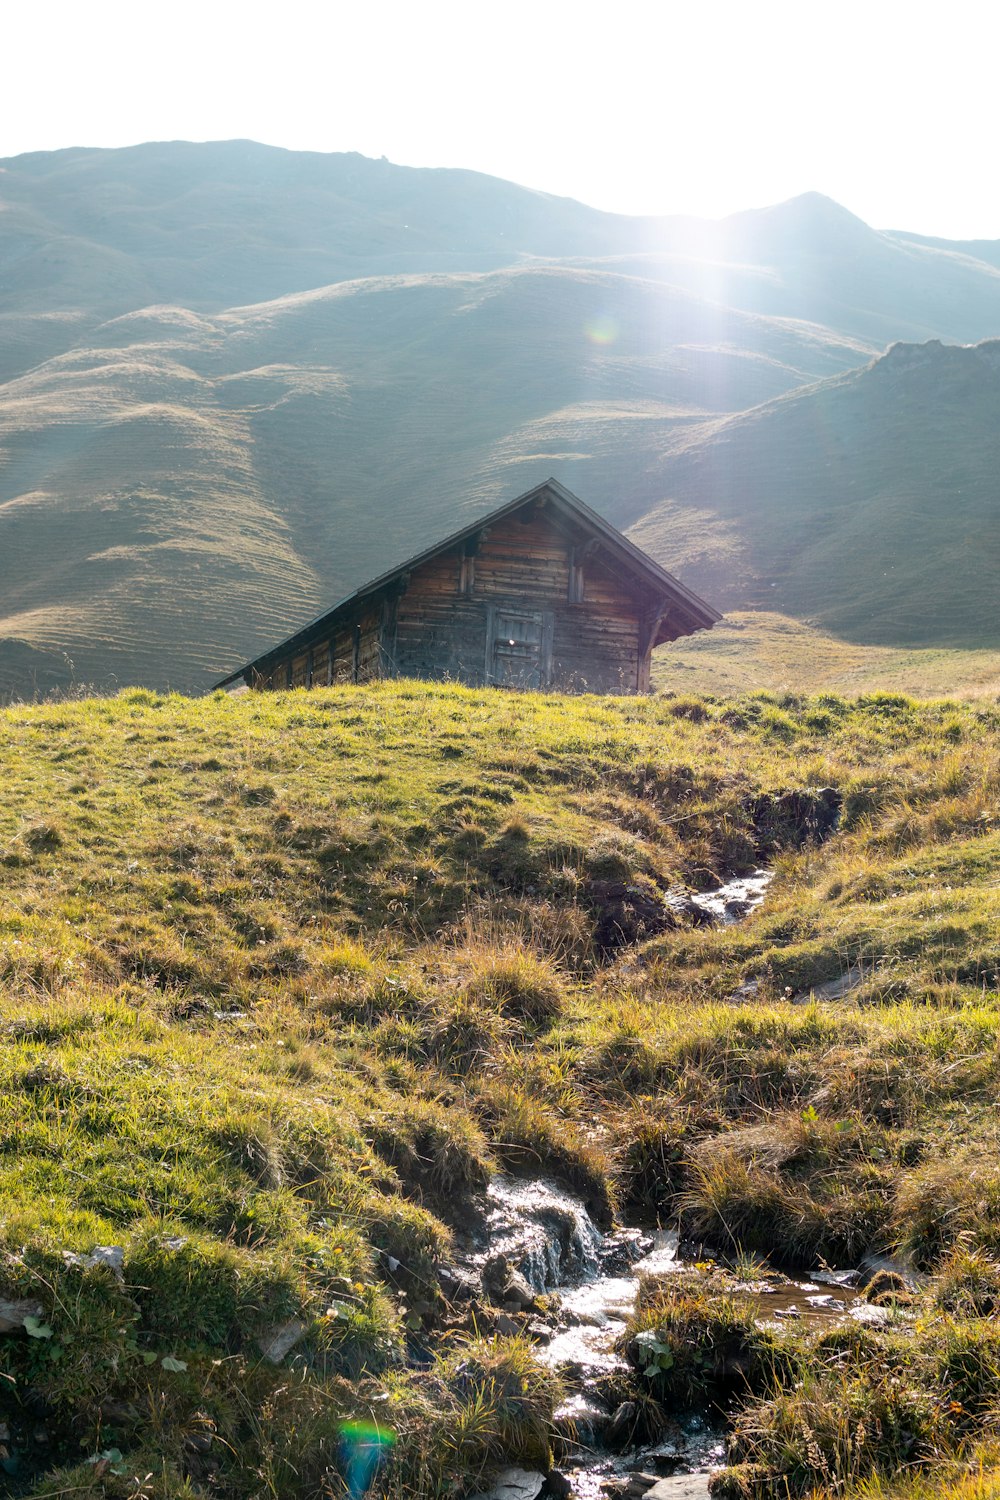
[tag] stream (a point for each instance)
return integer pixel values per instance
(736, 899)
(592, 1279)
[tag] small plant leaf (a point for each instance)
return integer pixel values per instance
(174, 1365)
(36, 1329)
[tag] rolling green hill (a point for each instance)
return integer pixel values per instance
(186, 487)
(759, 650)
(237, 381)
(867, 503)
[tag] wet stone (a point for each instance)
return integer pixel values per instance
(513, 1484)
(13, 1314)
(457, 1285)
(665, 1456)
(621, 1250)
(619, 1429)
(506, 1285)
(680, 1487)
(557, 1485)
(638, 1484)
(507, 1325)
(581, 1421)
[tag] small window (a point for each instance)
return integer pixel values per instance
(467, 575)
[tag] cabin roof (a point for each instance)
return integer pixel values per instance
(698, 615)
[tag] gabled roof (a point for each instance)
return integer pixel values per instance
(697, 615)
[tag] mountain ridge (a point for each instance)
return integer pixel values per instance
(883, 477)
(357, 354)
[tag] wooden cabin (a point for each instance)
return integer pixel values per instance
(542, 593)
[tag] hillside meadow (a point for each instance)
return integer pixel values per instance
(285, 979)
(754, 649)
(236, 382)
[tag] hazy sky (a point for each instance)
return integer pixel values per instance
(695, 107)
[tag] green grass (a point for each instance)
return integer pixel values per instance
(285, 978)
(754, 650)
(861, 503)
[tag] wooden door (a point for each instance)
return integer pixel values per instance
(519, 647)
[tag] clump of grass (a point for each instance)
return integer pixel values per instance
(617, 856)
(968, 1284)
(43, 838)
(467, 1036)
(741, 1204)
(347, 957)
(693, 1347)
(650, 1157)
(864, 1405)
(834, 1430)
(518, 983)
(438, 1152)
(505, 1403)
(185, 1282)
(945, 1201)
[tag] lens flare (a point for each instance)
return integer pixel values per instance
(602, 330)
(363, 1446)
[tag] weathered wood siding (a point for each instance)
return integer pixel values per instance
(352, 652)
(441, 632)
(572, 622)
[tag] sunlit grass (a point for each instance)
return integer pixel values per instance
(285, 979)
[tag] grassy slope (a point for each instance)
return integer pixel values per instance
(283, 979)
(758, 649)
(864, 504)
(179, 488)
(185, 490)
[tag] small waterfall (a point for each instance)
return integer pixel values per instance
(736, 898)
(543, 1230)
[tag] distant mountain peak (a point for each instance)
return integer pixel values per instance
(810, 222)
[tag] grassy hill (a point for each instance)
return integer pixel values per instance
(184, 489)
(865, 504)
(237, 381)
(285, 979)
(754, 649)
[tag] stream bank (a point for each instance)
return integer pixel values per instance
(549, 1272)
(571, 1288)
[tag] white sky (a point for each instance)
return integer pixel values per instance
(681, 106)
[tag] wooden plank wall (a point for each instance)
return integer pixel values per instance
(351, 653)
(441, 633)
(436, 628)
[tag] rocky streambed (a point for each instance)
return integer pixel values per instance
(545, 1269)
(552, 1273)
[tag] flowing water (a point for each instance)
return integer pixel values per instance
(736, 898)
(548, 1235)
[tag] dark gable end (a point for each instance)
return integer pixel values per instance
(540, 593)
